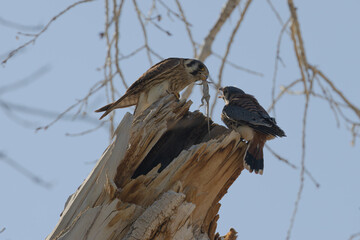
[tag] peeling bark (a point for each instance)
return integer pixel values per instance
(161, 178)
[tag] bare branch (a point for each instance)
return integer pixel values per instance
(298, 45)
(19, 120)
(335, 89)
(244, 69)
(138, 12)
(19, 26)
(35, 36)
(225, 14)
(25, 81)
(236, 28)
(275, 12)
(92, 90)
(25, 172)
(302, 169)
(108, 72)
(292, 165)
(41, 112)
(283, 90)
(133, 53)
(117, 12)
(354, 133)
(280, 157)
(205, 50)
(317, 184)
(352, 237)
(170, 11)
(87, 131)
(151, 20)
(277, 59)
(328, 98)
(187, 25)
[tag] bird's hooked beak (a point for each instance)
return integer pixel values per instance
(203, 77)
(221, 90)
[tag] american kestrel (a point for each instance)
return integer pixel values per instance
(243, 113)
(168, 76)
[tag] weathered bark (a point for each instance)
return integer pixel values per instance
(161, 178)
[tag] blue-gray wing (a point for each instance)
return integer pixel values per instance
(243, 115)
(245, 110)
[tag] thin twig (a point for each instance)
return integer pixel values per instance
(25, 172)
(187, 25)
(87, 131)
(172, 11)
(35, 36)
(283, 90)
(19, 26)
(41, 112)
(152, 9)
(133, 53)
(205, 50)
(25, 81)
(108, 72)
(335, 89)
(277, 59)
(138, 12)
(231, 40)
(94, 89)
(24, 122)
(167, 32)
(117, 13)
(302, 165)
(352, 237)
(244, 69)
(316, 183)
(280, 157)
(298, 44)
(275, 12)
(327, 96)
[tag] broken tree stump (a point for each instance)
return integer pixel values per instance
(161, 178)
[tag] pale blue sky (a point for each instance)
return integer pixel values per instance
(258, 207)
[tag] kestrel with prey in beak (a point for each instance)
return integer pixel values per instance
(168, 76)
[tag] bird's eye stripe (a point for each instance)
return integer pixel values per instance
(194, 72)
(191, 63)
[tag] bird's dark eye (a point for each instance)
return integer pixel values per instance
(201, 67)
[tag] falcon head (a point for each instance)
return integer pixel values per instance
(229, 93)
(197, 69)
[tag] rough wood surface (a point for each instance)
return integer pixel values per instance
(161, 178)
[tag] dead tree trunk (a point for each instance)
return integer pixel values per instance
(161, 178)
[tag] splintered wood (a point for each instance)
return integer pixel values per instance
(161, 178)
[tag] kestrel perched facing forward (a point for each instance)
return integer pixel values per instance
(243, 113)
(168, 76)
